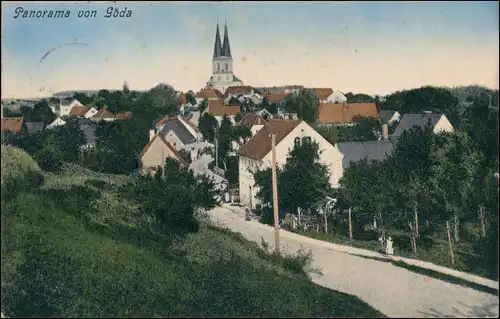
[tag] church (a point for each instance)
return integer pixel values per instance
(222, 64)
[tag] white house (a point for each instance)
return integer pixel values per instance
(256, 154)
(91, 112)
(65, 106)
(328, 95)
(438, 122)
(57, 122)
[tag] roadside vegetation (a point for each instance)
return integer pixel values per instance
(86, 244)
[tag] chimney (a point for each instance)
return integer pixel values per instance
(152, 134)
(385, 132)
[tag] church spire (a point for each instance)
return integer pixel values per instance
(217, 46)
(226, 49)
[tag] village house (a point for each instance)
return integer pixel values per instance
(208, 94)
(34, 127)
(88, 129)
(438, 122)
(331, 114)
(181, 134)
(242, 94)
(264, 113)
(91, 112)
(12, 124)
(64, 107)
(217, 109)
(103, 115)
(256, 153)
(389, 116)
(79, 111)
(156, 152)
(57, 122)
(253, 122)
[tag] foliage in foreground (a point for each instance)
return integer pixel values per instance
(86, 249)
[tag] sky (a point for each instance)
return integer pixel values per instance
(368, 47)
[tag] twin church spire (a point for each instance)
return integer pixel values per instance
(223, 50)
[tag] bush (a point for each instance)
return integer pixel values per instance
(50, 159)
(20, 172)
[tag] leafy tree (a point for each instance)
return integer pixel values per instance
(190, 98)
(455, 167)
(241, 134)
(83, 98)
(163, 100)
(208, 125)
(49, 158)
(303, 182)
(185, 155)
(329, 133)
(224, 139)
(238, 117)
(271, 108)
(203, 106)
(7, 112)
(304, 104)
(40, 112)
(70, 139)
(358, 97)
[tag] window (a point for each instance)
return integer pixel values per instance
(297, 141)
(227, 68)
(308, 139)
(218, 66)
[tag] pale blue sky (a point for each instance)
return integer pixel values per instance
(353, 46)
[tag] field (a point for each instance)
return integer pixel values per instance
(75, 248)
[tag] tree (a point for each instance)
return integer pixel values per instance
(42, 113)
(271, 108)
(190, 98)
(241, 134)
(455, 167)
(203, 106)
(163, 100)
(303, 182)
(83, 98)
(304, 104)
(224, 139)
(358, 97)
(208, 125)
(238, 117)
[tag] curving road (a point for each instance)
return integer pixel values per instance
(392, 290)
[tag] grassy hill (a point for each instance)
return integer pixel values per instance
(75, 248)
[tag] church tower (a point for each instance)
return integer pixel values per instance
(222, 63)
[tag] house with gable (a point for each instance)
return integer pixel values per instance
(91, 112)
(12, 125)
(103, 115)
(217, 109)
(253, 122)
(156, 152)
(79, 111)
(389, 116)
(438, 122)
(181, 134)
(331, 114)
(57, 122)
(65, 106)
(256, 153)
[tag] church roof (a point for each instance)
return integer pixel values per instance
(226, 49)
(217, 45)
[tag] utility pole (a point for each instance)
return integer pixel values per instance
(275, 195)
(216, 150)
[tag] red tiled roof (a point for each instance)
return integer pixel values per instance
(123, 116)
(104, 114)
(250, 120)
(323, 93)
(174, 151)
(209, 94)
(237, 90)
(260, 145)
(217, 108)
(330, 113)
(164, 120)
(12, 124)
(79, 110)
(276, 97)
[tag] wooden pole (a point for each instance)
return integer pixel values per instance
(416, 221)
(350, 224)
(481, 216)
(275, 195)
(449, 242)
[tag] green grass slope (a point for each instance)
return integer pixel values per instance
(77, 249)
